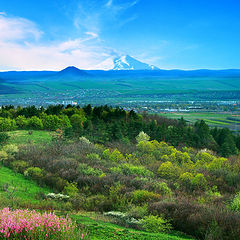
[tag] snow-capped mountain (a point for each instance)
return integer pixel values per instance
(124, 62)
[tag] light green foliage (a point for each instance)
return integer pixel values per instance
(34, 172)
(165, 158)
(204, 157)
(106, 154)
(142, 136)
(3, 156)
(84, 140)
(168, 171)
(217, 163)
(132, 158)
(116, 156)
(129, 169)
(52, 122)
(235, 204)
(92, 157)
(155, 224)
(182, 158)
(143, 196)
(162, 188)
(22, 122)
(35, 123)
(199, 181)
(84, 169)
(213, 193)
(71, 189)
(145, 147)
(11, 149)
(186, 178)
(19, 166)
(65, 121)
(7, 124)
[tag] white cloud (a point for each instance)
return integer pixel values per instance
(20, 50)
(92, 34)
(14, 28)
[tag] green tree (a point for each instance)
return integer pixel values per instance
(35, 123)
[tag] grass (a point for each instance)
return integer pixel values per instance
(100, 230)
(16, 186)
(23, 137)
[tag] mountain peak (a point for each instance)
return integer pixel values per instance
(126, 62)
(71, 70)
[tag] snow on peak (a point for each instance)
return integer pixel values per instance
(124, 62)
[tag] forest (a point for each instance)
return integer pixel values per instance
(142, 171)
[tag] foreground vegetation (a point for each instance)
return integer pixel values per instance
(25, 193)
(102, 161)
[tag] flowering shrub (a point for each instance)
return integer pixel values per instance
(25, 224)
(57, 196)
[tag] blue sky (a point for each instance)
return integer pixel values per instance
(184, 34)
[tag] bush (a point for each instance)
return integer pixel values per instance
(35, 173)
(54, 182)
(137, 212)
(143, 196)
(71, 189)
(235, 204)
(98, 202)
(162, 188)
(168, 171)
(199, 221)
(123, 219)
(86, 170)
(11, 149)
(129, 169)
(3, 156)
(19, 166)
(142, 136)
(58, 196)
(155, 224)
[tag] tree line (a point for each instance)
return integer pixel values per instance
(103, 124)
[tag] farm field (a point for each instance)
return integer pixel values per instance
(229, 120)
